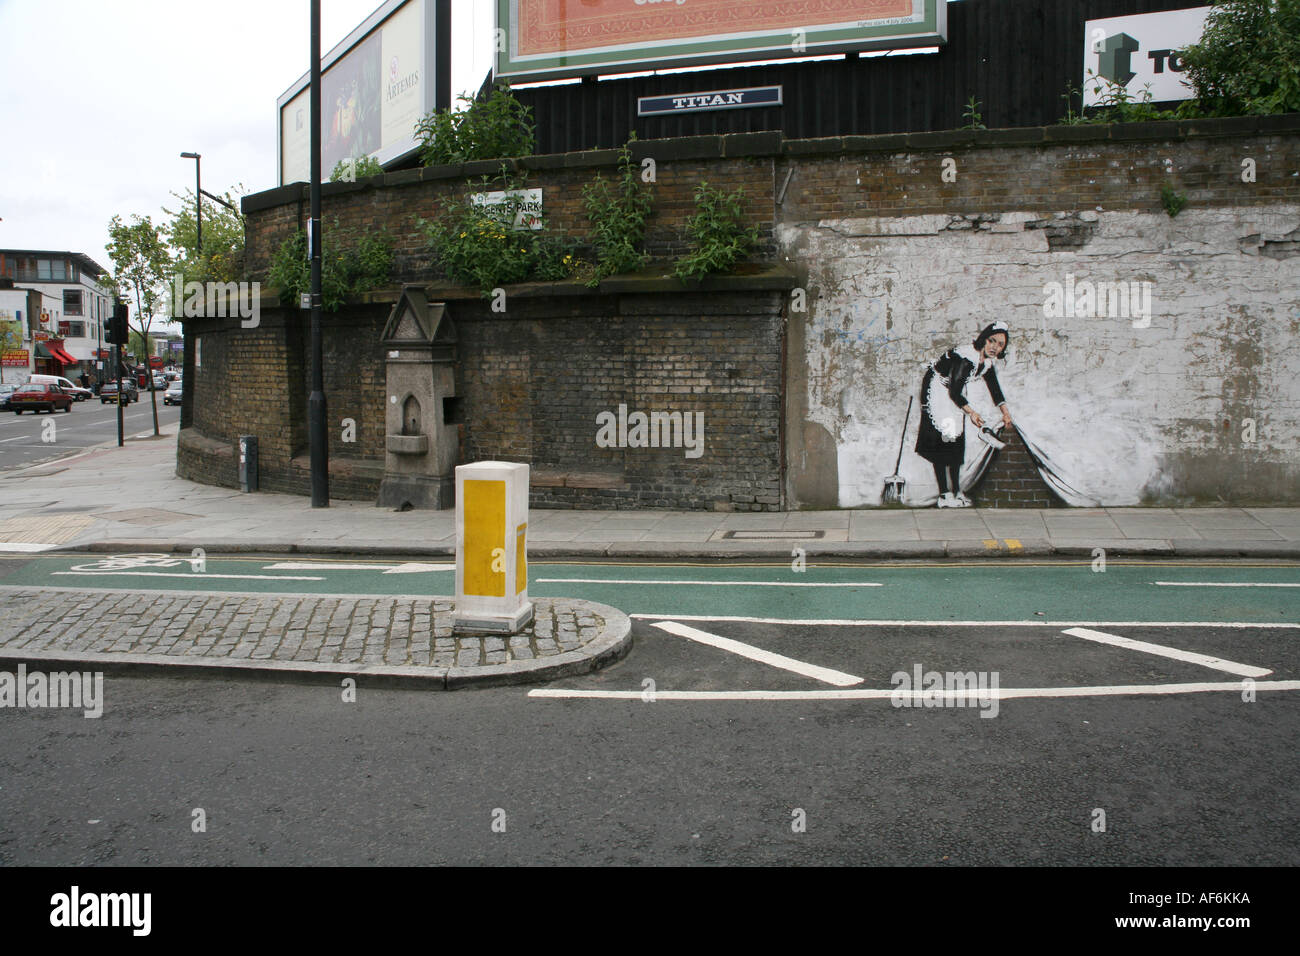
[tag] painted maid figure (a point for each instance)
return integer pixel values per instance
(942, 436)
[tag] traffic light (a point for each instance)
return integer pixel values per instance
(116, 333)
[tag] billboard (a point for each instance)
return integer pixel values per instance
(375, 86)
(553, 39)
(1140, 52)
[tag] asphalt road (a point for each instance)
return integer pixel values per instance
(31, 438)
(714, 750)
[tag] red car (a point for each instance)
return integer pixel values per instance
(35, 397)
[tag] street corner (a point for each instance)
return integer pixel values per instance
(566, 637)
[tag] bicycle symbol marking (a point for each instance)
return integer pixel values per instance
(124, 562)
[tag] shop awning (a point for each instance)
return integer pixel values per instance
(42, 351)
(61, 356)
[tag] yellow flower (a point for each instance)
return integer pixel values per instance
(463, 235)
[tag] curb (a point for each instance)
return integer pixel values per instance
(895, 550)
(614, 642)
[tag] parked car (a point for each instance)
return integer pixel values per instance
(173, 394)
(39, 396)
(108, 392)
(76, 391)
(5, 391)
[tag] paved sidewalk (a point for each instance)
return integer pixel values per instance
(112, 498)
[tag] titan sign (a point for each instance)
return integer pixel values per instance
(375, 86)
(1132, 52)
(552, 39)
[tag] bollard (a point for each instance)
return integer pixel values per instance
(247, 463)
(492, 548)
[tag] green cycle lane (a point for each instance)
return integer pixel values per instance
(1165, 591)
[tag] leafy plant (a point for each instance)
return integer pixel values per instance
(222, 257)
(1118, 105)
(1171, 200)
(719, 238)
(1248, 59)
(493, 127)
(485, 246)
(359, 265)
(350, 170)
(618, 212)
(972, 115)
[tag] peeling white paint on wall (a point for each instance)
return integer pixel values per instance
(1111, 403)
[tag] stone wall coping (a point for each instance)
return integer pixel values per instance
(774, 144)
(754, 279)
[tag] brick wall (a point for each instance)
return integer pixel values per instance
(1011, 479)
(531, 383)
(398, 201)
(899, 264)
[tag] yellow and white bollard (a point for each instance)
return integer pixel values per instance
(492, 548)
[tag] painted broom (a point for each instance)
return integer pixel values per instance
(893, 492)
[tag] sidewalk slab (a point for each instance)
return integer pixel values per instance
(62, 505)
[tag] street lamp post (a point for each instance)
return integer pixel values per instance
(316, 433)
(198, 201)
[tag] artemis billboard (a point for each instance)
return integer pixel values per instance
(375, 86)
(553, 39)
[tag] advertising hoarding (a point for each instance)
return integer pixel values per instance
(375, 86)
(1140, 51)
(553, 39)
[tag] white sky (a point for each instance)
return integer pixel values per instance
(98, 99)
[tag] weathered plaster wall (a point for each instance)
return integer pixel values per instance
(1153, 413)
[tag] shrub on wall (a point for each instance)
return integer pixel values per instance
(349, 265)
(717, 232)
(481, 245)
(618, 212)
(494, 127)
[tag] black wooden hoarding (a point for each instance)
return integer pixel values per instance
(1016, 57)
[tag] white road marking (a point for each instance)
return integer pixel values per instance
(1222, 584)
(1041, 622)
(408, 568)
(1216, 663)
(974, 697)
(824, 674)
(744, 584)
(19, 438)
(195, 575)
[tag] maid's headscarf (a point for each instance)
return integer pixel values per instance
(988, 332)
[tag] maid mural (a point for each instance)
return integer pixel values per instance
(949, 384)
(941, 439)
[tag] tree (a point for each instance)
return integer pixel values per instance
(1248, 60)
(142, 267)
(222, 257)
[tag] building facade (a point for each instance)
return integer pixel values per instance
(59, 304)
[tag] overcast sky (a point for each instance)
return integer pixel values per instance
(98, 98)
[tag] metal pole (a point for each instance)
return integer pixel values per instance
(198, 204)
(320, 479)
(117, 371)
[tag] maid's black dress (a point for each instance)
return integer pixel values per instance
(942, 436)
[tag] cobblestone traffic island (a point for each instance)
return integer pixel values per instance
(393, 639)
